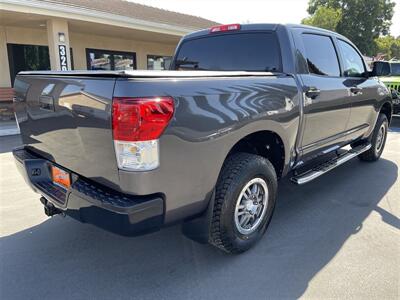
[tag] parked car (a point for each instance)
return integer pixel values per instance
(390, 76)
(205, 143)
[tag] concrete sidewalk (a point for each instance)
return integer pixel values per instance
(8, 128)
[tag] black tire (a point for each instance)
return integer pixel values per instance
(378, 145)
(237, 171)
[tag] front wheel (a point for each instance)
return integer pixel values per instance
(244, 202)
(378, 140)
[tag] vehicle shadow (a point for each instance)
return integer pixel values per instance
(8, 143)
(61, 258)
(395, 124)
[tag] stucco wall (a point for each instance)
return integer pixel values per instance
(79, 42)
(25, 35)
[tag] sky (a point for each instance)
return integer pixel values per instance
(249, 11)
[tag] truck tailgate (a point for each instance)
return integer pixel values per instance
(67, 120)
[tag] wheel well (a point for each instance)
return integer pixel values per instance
(265, 143)
(387, 110)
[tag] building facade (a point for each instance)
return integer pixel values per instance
(86, 35)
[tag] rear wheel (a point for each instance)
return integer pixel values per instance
(378, 140)
(244, 202)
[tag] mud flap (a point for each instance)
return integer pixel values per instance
(198, 229)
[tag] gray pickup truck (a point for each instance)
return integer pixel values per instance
(205, 143)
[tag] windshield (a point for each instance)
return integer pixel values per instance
(395, 69)
(230, 52)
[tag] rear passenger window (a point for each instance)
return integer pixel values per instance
(321, 55)
(352, 61)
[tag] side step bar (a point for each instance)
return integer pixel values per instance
(330, 165)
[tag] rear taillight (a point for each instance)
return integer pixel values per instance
(137, 124)
(221, 28)
(141, 119)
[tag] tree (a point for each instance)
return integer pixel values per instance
(324, 17)
(389, 46)
(395, 49)
(362, 21)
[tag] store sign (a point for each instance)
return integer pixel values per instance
(62, 52)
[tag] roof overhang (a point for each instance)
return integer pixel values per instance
(57, 10)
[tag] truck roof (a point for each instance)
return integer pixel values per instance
(267, 27)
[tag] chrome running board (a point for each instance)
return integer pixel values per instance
(330, 165)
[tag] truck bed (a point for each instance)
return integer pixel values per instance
(65, 117)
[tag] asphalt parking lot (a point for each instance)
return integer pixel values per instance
(336, 237)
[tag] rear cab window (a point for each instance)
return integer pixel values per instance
(246, 51)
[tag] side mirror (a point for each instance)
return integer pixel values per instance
(381, 68)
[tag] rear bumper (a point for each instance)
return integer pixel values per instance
(89, 202)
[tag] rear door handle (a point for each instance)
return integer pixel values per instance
(312, 92)
(355, 90)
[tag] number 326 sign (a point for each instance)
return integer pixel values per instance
(62, 51)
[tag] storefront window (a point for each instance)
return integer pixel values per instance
(99, 61)
(157, 62)
(27, 58)
(124, 62)
(110, 60)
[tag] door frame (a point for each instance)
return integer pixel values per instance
(302, 69)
